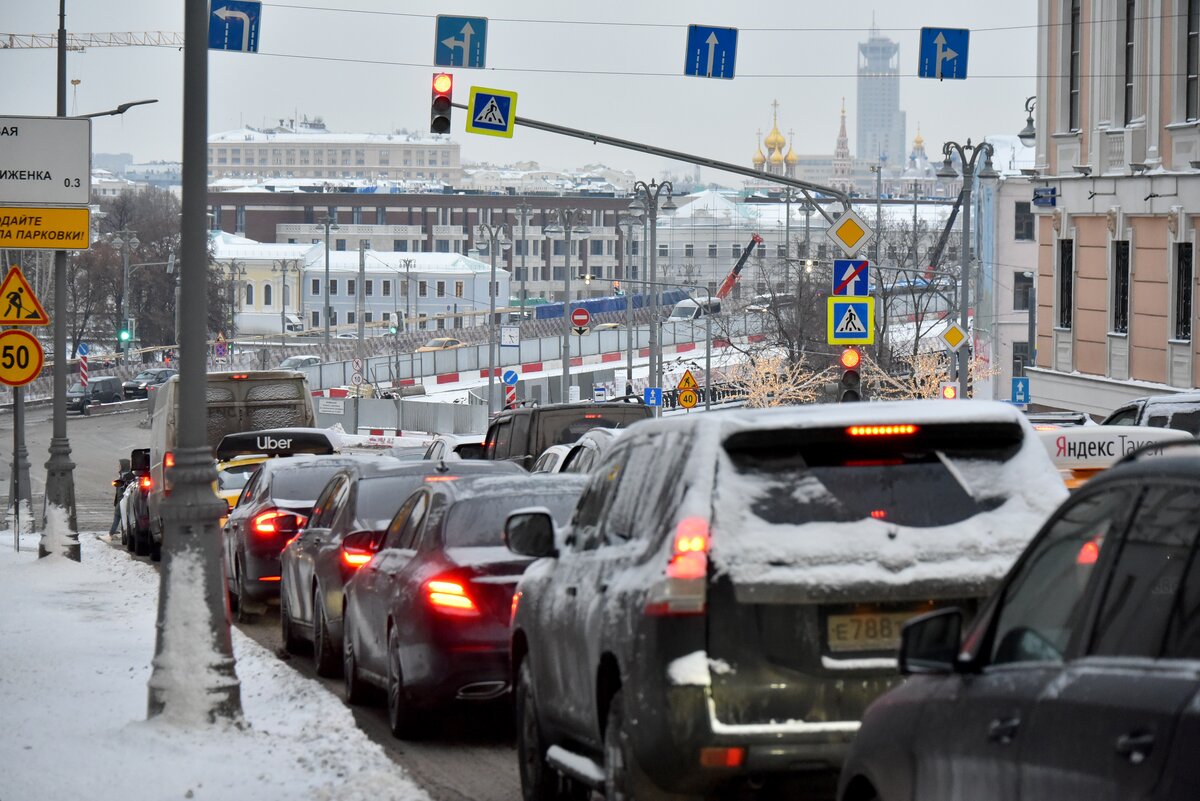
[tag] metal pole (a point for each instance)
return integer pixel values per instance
(524, 208)
(878, 208)
(60, 470)
(628, 310)
(708, 350)
(192, 592)
(19, 483)
(964, 352)
(122, 324)
(1032, 335)
(787, 239)
(325, 291)
(655, 317)
(493, 246)
(567, 218)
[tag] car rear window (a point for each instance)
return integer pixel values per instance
(380, 498)
(810, 476)
(479, 522)
(1183, 416)
(235, 476)
(304, 483)
(565, 426)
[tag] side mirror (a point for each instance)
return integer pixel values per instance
(530, 532)
(929, 644)
(359, 546)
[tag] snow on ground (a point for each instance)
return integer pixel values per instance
(77, 643)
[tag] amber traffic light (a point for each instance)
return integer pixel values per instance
(439, 113)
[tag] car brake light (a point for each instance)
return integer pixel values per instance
(239, 376)
(903, 429)
(1088, 554)
(879, 514)
(683, 590)
(722, 757)
(169, 459)
(593, 416)
(435, 479)
(145, 483)
(273, 521)
(690, 557)
(355, 557)
(449, 598)
(516, 602)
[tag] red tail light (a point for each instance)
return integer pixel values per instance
(239, 376)
(355, 557)
(904, 429)
(516, 602)
(879, 514)
(169, 459)
(277, 521)
(683, 590)
(722, 757)
(145, 483)
(690, 557)
(450, 598)
(1089, 553)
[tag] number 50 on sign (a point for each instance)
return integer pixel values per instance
(21, 357)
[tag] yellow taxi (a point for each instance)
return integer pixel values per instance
(1080, 452)
(239, 455)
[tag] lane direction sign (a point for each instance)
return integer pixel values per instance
(711, 52)
(45, 161)
(234, 25)
(943, 53)
(460, 42)
(850, 233)
(851, 320)
(21, 357)
(851, 276)
(1020, 391)
(491, 112)
(510, 378)
(652, 396)
(19, 304)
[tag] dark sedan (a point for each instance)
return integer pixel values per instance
(428, 616)
(274, 505)
(139, 385)
(315, 566)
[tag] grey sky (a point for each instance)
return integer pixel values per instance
(548, 52)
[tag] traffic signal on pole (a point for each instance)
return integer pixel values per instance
(439, 114)
(849, 386)
(392, 329)
(948, 390)
(123, 334)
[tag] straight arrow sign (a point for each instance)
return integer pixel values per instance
(847, 275)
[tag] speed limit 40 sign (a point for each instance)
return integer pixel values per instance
(21, 357)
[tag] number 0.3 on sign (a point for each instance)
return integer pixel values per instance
(21, 357)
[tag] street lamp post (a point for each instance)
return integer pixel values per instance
(330, 224)
(524, 209)
(125, 241)
(967, 156)
(789, 195)
(647, 202)
(707, 333)
(628, 222)
(282, 266)
(408, 265)
(236, 272)
(565, 226)
(498, 236)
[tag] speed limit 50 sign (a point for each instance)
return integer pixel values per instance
(21, 357)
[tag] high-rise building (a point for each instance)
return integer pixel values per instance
(880, 122)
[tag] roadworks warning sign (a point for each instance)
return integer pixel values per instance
(18, 304)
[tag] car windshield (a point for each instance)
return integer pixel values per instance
(76, 387)
(479, 522)
(294, 361)
(565, 426)
(235, 476)
(146, 375)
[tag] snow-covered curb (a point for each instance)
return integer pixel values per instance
(78, 639)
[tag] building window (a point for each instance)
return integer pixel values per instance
(249, 294)
(316, 287)
(422, 289)
(634, 246)
(597, 247)
(400, 245)
(1021, 358)
(316, 319)
(350, 318)
(367, 317)
(387, 288)
(1066, 281)
(441, 246)
(332, 287)
(1073, 87)
(459, 288)
(1192, 86)
(734, 250)
(1183, 290)
(1023, 212)
(1022, 288)
(339, 244)
(664, 251)
(712, 250)
(369, 287)
(441, 289)
(1120, 288)
(689, 251)
(333, 317)
(1129, 62)
(267, 295)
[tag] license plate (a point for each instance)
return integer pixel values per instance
(866, 631)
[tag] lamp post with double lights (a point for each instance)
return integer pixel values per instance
(330, 224)
(564, 225)
(524, 210)
(646, 203)
(236, 273)
(707, 331)
(968, 154)
(498, 236)
(628, 222)
(407, 264)
(126, 242)
(283, 266)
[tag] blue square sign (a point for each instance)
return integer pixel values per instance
(460, 42)
(1020, 391)
(233, 25)
(652, 396)
(851, 277)
(711, 52)
(943, 53)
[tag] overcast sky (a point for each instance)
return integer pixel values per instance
(614, 67)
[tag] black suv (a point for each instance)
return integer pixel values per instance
(1081, 677)
(139, 385)
(1181, 411)
(520, 435)
(100, 389)
(728, 596)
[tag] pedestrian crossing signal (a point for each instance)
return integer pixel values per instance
(440, 108)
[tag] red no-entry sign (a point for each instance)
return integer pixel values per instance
(580, 318)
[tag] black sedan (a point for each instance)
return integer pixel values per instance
(428, 616)
(315, 566)
(274, 505)
(139, 385)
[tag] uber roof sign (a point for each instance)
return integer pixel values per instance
(277, 442)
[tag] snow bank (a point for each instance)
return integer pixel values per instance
(78, 640)
(57, 537)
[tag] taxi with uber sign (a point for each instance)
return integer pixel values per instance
(239, 455)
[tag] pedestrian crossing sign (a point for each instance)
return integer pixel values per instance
(18, 304)
(491, 112)
(851, 320)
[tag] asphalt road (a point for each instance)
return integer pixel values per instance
(469, 753)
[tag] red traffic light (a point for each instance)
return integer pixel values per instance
(850, 358)
(948, 390)
(439, 112)
(443, 83)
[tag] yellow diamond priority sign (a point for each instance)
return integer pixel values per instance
(850, 233)
(954, 336)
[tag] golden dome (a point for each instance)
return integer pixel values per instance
(759, 158)
(791, 157)
(919, 142)
(775, 140)
(777, 156)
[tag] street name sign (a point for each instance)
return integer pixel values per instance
(491, 112)
(943, 53)
(18, 303)
(1045, 196)
(21, 357)
(45, 161)
(851, 321)
(44, 228)
(460, 42)
(850, 233)
(851, 276)
(234, 25)
(711, 52)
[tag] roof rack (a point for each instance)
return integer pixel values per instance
(1155, 449)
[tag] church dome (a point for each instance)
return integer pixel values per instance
(775, 140)
(791, 157)
(777, 155)
(759, 158)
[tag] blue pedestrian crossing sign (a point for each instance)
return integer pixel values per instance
(1020, 391)
(943, 53)
(510, 377)
(491, 112)
(233, 25)
(460, 42)
(851, 276)
(652, 396)
(851, 321)
(711, 52)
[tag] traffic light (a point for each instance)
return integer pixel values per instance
(439, 114)
(848, 388)
(948, 390)
(392, 329)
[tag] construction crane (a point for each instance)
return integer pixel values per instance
(81, 41)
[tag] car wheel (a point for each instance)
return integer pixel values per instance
(356, 693)
(539, 782)
(623, 779)
(128, 538)
(291, 643)
(244, 615)
(141, 542)
(404, 720)
(155, 547)
(325, 657)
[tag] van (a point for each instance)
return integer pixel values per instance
(236, 402)
(692, 309)
(521, 435)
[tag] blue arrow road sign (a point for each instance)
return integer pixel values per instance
(1020, 391)
(851, 276)
(510, 377)
(943, 53)
(460, 42)
(711, 52)
(82, 349)
(233, 25)
(652, 396)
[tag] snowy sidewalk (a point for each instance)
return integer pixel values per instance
(76, 640)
